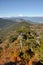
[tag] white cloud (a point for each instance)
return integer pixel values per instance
(21, 15)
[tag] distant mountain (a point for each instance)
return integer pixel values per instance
(17, 19)
(11, 24)
(32, 19)
(5, 22)
(8, 25)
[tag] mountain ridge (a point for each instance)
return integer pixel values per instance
(32, 19)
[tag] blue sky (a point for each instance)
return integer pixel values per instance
(11, 8)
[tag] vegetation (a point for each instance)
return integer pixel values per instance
(12, 39)
(1, 41)
(22, 42)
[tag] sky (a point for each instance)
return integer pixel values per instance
(13, 8)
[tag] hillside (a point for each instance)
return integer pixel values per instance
(5, 22)
(21, 43)
(7, 26)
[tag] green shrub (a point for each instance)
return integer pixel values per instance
(12, 39)
(7, 46)
(1, 49)
(1, 41)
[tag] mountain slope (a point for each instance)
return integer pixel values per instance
(20, 41)
(5, 23)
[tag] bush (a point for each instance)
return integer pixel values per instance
(7, 46)
(25, 37)
(1, 48)
(12, 39)
(1, 41)
(21, 54)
